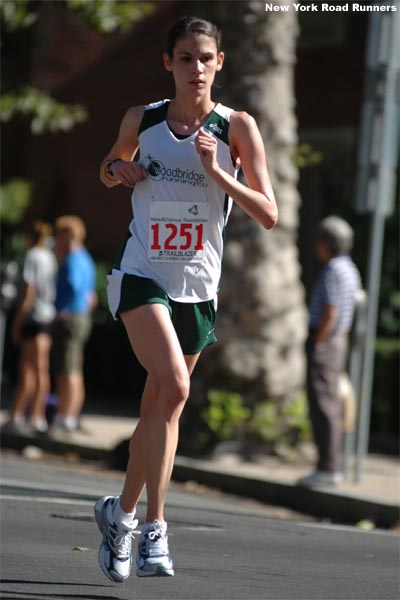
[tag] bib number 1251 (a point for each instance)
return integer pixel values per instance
(178, 231)
(179, 238)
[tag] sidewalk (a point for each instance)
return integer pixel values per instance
(376, 498)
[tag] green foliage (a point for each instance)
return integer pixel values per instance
(279, 427)
(385, 392)
(385, 348)
(225, 413)
(110, 15)
(15, 14)
(306, 156)
(104, 15)
(15, 198)
(390, 315)
(46, 114)
(278, 424)
(14, 248)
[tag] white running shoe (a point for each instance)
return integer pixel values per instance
(39, 425)
(321, 478)
(16, 426)
(153, 559)
(115, 552)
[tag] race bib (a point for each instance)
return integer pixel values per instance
(178, 231)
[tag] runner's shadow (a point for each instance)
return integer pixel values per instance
(20, 595)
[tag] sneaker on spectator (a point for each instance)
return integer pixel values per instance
(321, 478)
(16, 426)
(39, 425)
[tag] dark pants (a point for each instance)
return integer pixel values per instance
(325, 363)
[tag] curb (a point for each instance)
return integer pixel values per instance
(19, 442)
(325, 504)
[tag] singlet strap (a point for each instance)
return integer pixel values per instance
(153, 116)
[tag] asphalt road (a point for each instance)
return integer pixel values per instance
(222, 547)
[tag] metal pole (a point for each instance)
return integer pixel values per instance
(373, 286)
(355, 372)
(384, 154)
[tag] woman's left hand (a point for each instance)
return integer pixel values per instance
(206, 146)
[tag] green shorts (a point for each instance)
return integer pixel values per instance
(69, 339)
(193, 322)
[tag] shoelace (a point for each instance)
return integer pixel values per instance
(156, 541)
(122, 540)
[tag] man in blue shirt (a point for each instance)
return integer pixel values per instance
(75, 301)
(331, 315)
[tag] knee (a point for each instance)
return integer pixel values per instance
(177, 391)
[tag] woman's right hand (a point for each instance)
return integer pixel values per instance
(129, 173)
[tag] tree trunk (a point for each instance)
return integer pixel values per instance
(262, 317)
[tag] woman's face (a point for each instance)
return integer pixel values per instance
(194, 64)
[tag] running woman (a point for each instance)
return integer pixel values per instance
(165, 284)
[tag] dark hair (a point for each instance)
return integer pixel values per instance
(185, 25)
(39, 232)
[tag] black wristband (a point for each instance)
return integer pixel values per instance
(108, 165)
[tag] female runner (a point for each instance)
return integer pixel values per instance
(165, 284)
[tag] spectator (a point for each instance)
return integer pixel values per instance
(75, 301)
(31, 332)
(331, 314)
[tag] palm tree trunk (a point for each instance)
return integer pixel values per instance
(262, 317)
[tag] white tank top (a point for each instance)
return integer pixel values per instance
(180, 213)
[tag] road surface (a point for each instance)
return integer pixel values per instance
(222, 548)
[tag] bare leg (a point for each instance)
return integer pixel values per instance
(154, 442)
(26, 379)
(71, 393)
(41, 365)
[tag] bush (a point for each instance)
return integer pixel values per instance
(225, 415)
(281, 427)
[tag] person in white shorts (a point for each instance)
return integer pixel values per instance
(164, 285)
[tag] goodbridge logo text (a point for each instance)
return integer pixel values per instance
(159, 172)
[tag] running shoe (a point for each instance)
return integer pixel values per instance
(115, 552)
(39, 425)
(153, 559)
(16, 426)
(321, 478)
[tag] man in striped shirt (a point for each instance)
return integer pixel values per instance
(331, 315)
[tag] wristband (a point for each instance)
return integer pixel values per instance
(108, 165)
(108, 177)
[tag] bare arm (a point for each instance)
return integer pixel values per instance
(124, 170)
(258, 199)
(326, 324)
